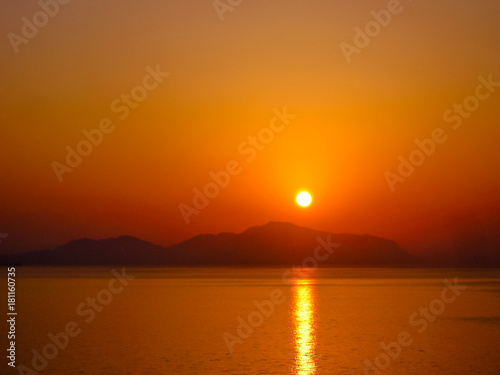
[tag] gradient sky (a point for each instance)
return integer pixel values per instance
(352, 121)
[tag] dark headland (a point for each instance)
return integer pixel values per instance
(273, 244)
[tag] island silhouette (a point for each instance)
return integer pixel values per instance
(272, 244)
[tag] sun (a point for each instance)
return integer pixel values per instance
(304, 199)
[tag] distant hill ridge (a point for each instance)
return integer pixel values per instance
(272, 244)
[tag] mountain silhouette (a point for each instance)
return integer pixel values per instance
(273, 244)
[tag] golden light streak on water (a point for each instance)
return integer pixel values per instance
(304, 327)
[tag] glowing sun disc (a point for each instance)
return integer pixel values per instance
(304, 199)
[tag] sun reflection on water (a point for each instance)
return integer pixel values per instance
(304, 327)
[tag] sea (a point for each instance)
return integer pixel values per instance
(253, 321)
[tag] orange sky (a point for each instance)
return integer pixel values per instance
(225, 79)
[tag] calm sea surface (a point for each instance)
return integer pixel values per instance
(257, 321)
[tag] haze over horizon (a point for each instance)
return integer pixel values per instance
(213, 84)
